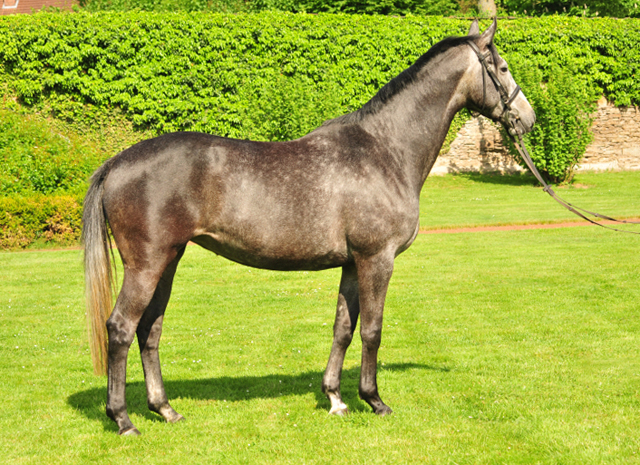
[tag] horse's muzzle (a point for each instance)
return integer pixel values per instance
(517, 124)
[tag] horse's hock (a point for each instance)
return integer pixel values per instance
(616, 145)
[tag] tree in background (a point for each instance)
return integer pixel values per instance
(487, 8)
(614, 8)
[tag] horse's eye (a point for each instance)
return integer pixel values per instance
(504, 69)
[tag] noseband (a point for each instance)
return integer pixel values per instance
(510, 125)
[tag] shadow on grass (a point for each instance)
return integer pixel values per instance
(524, 179)
(90, 402)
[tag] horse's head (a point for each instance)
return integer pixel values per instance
(491, 89)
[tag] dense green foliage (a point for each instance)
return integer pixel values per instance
(589, 8)
(217, 6)
(212, 73)
(385, 7)
(208, 72)
(564, 65)
(561, 133)
(35, 159)
(276, 76)
(615, 8)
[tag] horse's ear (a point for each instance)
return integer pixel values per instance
(486, 38)
(474, 30)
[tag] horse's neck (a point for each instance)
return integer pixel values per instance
(417, 121)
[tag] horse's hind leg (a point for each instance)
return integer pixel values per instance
(374, 274)
(138, 289)
(343, 328)
(149, 331)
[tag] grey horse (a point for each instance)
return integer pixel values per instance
(345, 195)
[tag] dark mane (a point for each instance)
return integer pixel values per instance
(400, 82)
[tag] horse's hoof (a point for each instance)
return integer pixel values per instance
(175, 419)
(383, 411)
(130, 432)
(339, 411)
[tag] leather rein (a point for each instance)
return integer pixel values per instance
(513, 117)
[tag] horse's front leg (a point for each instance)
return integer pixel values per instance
(343, 328)
(374, 274)
(149, 331)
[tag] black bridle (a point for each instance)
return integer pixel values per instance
(506, 99)
(510, 124)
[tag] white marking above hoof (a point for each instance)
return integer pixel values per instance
(340, 410)
(175, 419)
(130, 432)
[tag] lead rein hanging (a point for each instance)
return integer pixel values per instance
(522, 149)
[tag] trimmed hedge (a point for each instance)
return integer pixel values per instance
(214, 73)
(205, 71)
(208, 71)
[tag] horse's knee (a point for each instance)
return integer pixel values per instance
(371, 337)
(121, 332)
(368, 391)
(343, 337)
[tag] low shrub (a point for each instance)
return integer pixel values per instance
(218, 6)
(588, 8)
(564, 65)
(39, 218)
(563, 105)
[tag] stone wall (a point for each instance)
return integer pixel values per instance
(616, 145)
(616, 139)
(477, 148)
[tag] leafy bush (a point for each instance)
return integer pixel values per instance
(563, 105)
(171, 72)
(39, 218)
(564, 65)
(615, 8)
(34, 159)
(562, 135)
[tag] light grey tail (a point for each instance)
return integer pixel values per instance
(98, 271)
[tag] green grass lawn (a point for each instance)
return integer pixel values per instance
(498, 347)
(474, 199)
